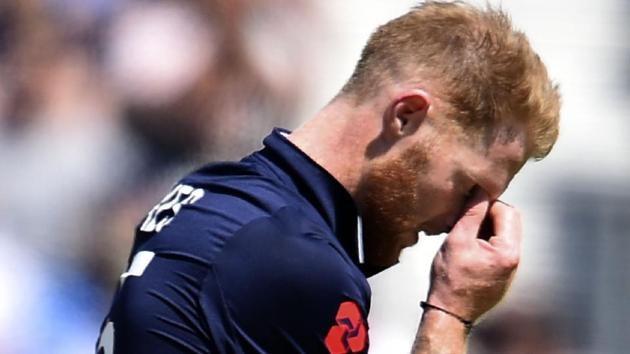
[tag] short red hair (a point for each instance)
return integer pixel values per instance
(485, 70)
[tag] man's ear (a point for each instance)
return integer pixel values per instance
(407, 113)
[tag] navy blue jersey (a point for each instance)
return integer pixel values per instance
(259, 256)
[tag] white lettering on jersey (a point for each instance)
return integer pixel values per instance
(106, 341)
(139, 263)
(164, 212)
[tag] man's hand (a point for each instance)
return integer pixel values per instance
(470, 274)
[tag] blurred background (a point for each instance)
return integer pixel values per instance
(105, 103)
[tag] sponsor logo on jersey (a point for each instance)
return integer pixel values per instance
(349, 334)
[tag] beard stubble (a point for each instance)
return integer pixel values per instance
(389, 200)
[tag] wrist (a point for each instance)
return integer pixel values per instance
(446, 317)
(458, 306)
(440, 333)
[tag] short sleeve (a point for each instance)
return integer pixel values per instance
(281, 286)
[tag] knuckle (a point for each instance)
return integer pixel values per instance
(471, 265)
(508, 256)
(510, 261)
(455, 241)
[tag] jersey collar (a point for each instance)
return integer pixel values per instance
(298, 171)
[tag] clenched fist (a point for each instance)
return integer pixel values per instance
(472, 272)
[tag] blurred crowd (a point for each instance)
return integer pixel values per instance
(103, 104)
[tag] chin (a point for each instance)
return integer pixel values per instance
(386, 257)
(406, 239)
(434, 230)
(409, 240)
(383, 262)
(385, 251)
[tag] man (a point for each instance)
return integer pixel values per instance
(271, 254)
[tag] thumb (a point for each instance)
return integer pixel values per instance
(468, 225)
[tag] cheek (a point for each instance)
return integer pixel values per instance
(394, 199)
(438, 195)
(442, 212)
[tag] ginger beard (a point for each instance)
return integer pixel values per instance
(389, 200)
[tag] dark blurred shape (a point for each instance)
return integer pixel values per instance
(583, 308)
(595, 259)
(29, 42)
(626, 69)
(191, 80)
(486, 230)
(103, 105)
(519, 332)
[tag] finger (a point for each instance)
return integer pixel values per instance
(467, 227)
(507, 225)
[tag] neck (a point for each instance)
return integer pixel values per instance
(337, 138)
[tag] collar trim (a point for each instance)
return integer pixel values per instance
(360, 240)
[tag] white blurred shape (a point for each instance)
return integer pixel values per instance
(155, 52)
(21, 279)
(396, 296)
